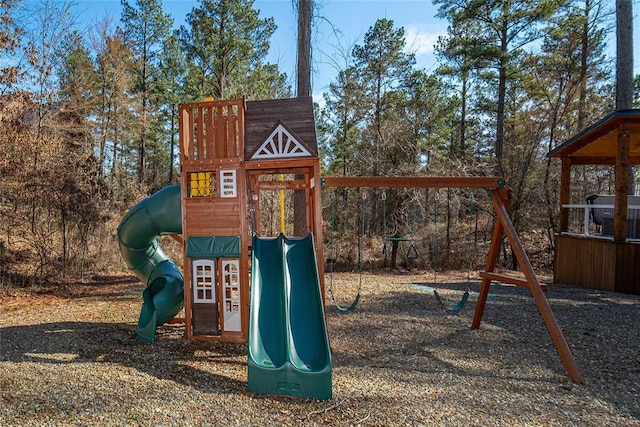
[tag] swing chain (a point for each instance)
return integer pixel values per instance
(383, 197)
(353, 304)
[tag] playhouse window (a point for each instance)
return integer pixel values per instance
(228, 186)
(204, 280)
(202, 184)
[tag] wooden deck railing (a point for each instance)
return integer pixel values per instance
(211, 130)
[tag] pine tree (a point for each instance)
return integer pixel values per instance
(382, 68)
(170, 82)
(461, 52)
(225, 42)
(113, 113)
(146, 27)
(507, 26)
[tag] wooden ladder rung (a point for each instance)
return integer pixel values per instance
(510, 280)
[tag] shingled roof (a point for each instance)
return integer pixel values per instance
(294, 116)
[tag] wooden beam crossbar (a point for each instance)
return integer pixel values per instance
(522, 283)
(281, 185)
(412, 182)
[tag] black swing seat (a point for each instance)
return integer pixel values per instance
(412, 252)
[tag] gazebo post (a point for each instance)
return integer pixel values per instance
(565, 194)
(622, 187)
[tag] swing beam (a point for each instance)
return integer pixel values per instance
(412, 182)
(501, 201)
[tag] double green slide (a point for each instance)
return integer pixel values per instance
(288, 344)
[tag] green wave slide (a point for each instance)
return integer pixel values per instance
(163, 297)
(288, 344)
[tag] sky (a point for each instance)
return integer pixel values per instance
(338, 26)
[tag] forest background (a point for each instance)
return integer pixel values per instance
(88, 119)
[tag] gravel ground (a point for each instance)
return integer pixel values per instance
(71, 358)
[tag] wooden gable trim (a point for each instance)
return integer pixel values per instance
(282, 142)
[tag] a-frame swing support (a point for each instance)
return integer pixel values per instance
(501, 202)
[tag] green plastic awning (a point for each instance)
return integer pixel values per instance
(213, 247)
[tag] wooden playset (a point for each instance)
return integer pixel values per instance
(231, 152)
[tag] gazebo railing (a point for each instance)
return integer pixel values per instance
(581, 221)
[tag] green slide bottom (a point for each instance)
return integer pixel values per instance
(163, 297)
(288, 344)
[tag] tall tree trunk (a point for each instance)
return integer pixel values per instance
(305, 8)
(624, 64)
(624, 55)
(502, 92)
(584, 61)
(463, 115)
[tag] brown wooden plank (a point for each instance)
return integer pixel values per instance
(200, 134)
(541, 300)
(282, 185)
(184, 136)
(177, 238)
(492, 258)
(565, 194)
(295, 113)
(622, 188)
(627, 268)
(522, 283)
(586, 262)
(220, 132)
(634, 159)
(205, 319)
(233, 133)
(188, 295)
(225, 132)
(191, 128)
(209, 141)
(209, 165)
(411, 182)
(240, 117)
(193, 105)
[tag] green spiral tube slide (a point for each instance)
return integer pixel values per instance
(163, 297)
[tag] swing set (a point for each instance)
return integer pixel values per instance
(411, 253)
(500, 199)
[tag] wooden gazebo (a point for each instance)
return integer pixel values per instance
(608, 261)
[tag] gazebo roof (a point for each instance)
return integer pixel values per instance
(597, 144)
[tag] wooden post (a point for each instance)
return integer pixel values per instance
(492, 258)
(541, 300)
(315, 192)
(622, 188)
(565, 194)
(255, 202)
